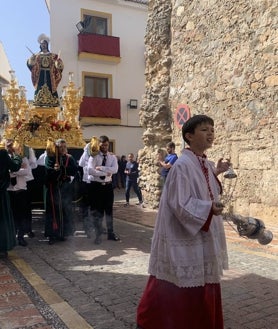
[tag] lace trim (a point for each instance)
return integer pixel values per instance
(189, 276)
(189, 262)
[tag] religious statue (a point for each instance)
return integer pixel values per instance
(46, 73)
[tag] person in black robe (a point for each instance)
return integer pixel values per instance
(61, 168)
(7, 230)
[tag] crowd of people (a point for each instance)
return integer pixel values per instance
(188, 251)
(98, 172)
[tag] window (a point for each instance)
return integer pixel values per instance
(96, 22)
(96, 86)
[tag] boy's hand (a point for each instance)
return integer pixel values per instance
(222, 166)
(217, 208)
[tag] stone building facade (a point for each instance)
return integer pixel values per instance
(220, 59)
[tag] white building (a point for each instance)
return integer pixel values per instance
(102, 43)
(5, 77)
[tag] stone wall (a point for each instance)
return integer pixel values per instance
(220, 58)
(155, 114)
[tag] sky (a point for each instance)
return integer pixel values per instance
(21, 22)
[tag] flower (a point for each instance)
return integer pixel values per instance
(19, 124)
(32, 125)
(67, 125)
(60, 125)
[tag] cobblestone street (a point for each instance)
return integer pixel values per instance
(77, 284)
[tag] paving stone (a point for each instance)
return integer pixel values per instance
(104, 283)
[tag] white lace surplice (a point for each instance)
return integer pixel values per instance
(181, 252)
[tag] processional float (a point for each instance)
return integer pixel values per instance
(32, 125)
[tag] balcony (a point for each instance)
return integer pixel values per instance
(97, 107)
(97, 46)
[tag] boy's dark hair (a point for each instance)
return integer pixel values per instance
(103, 139)
(190, 125)
(172, 145)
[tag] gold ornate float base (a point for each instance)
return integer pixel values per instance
(45, 113)
(32, 125)
(43, 124)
